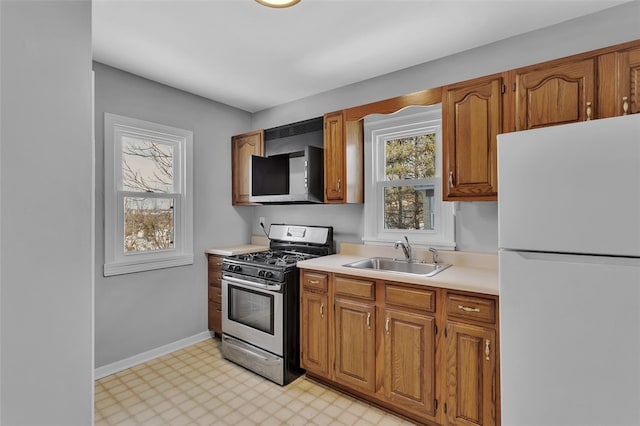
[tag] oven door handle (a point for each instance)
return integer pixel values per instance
(252, 284)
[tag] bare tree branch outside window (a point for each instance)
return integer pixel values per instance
(147, 167)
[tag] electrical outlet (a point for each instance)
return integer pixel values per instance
(261, 221)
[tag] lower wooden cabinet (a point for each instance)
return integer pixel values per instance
(471, 375)
(314, 324)
(425, 353)
(215, 293)
(410, 362)
(355, 344)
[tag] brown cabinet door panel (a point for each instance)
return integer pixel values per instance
(355, 344)
(334, 165)
(556, 95)
(471, 375)
(242, 148)
(410, 370)
(472, 115)
(314, 343)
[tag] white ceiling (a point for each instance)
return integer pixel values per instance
(252, 57)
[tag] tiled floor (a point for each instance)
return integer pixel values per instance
(196, 386)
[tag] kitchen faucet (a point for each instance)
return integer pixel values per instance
(406, 248)
(435, 254)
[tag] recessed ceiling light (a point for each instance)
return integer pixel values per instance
(278, 3)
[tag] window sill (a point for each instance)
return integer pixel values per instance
(128, 267)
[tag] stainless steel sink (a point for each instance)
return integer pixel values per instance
(394, 265)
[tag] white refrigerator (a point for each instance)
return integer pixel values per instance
(569, 271)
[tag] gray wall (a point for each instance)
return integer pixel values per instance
(476, 223)
(143, 311)
(46, 277)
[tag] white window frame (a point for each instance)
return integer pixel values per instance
(117, 261)
(377, 130)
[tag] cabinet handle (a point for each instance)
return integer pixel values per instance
(338, 185)
(369, 320)
(451, 180)
(314, 282)
(219, 264)
(468, 309)
(322, 310)
(386, 325)
(625, 105)
(588, 111)
(487, 350)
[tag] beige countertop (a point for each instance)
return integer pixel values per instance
(474, 272)
(257, 244)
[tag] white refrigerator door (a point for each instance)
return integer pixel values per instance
(569, 340)
(571, 189)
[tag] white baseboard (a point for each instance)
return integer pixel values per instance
(107, 370)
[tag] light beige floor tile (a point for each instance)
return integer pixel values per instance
(196, 386)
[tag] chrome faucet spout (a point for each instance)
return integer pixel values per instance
(406, 248)
(434, 252)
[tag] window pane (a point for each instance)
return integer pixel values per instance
(147, 166)
(148, 224)
(409, 207)
(412, 157)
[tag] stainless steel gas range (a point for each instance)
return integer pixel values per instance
(260, 301)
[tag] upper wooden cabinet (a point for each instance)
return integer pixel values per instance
(242, 148)
(555, 94)
(472, 114)
(619, 83)
(343, 159)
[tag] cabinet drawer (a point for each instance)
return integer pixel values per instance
(215, 276)
(215, 262)
(215, 317)
(215, 294)
(423, 299)
(312, 281)
(471, 307)
(355, 288)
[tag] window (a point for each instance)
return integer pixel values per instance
(148, 201)
(403, 186)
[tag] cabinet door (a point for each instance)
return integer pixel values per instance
(559, 94)
(242, 148)
(631, 74)
(472, 119)
(471, 375)
(409, 364)
(314, 333)
(355, 344)
(619, 83)
(334, 154)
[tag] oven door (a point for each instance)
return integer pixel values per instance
(252, 312)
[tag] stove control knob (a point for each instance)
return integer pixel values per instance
(268, 274)
(261, 273)
(237, 268)
(230, 267)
